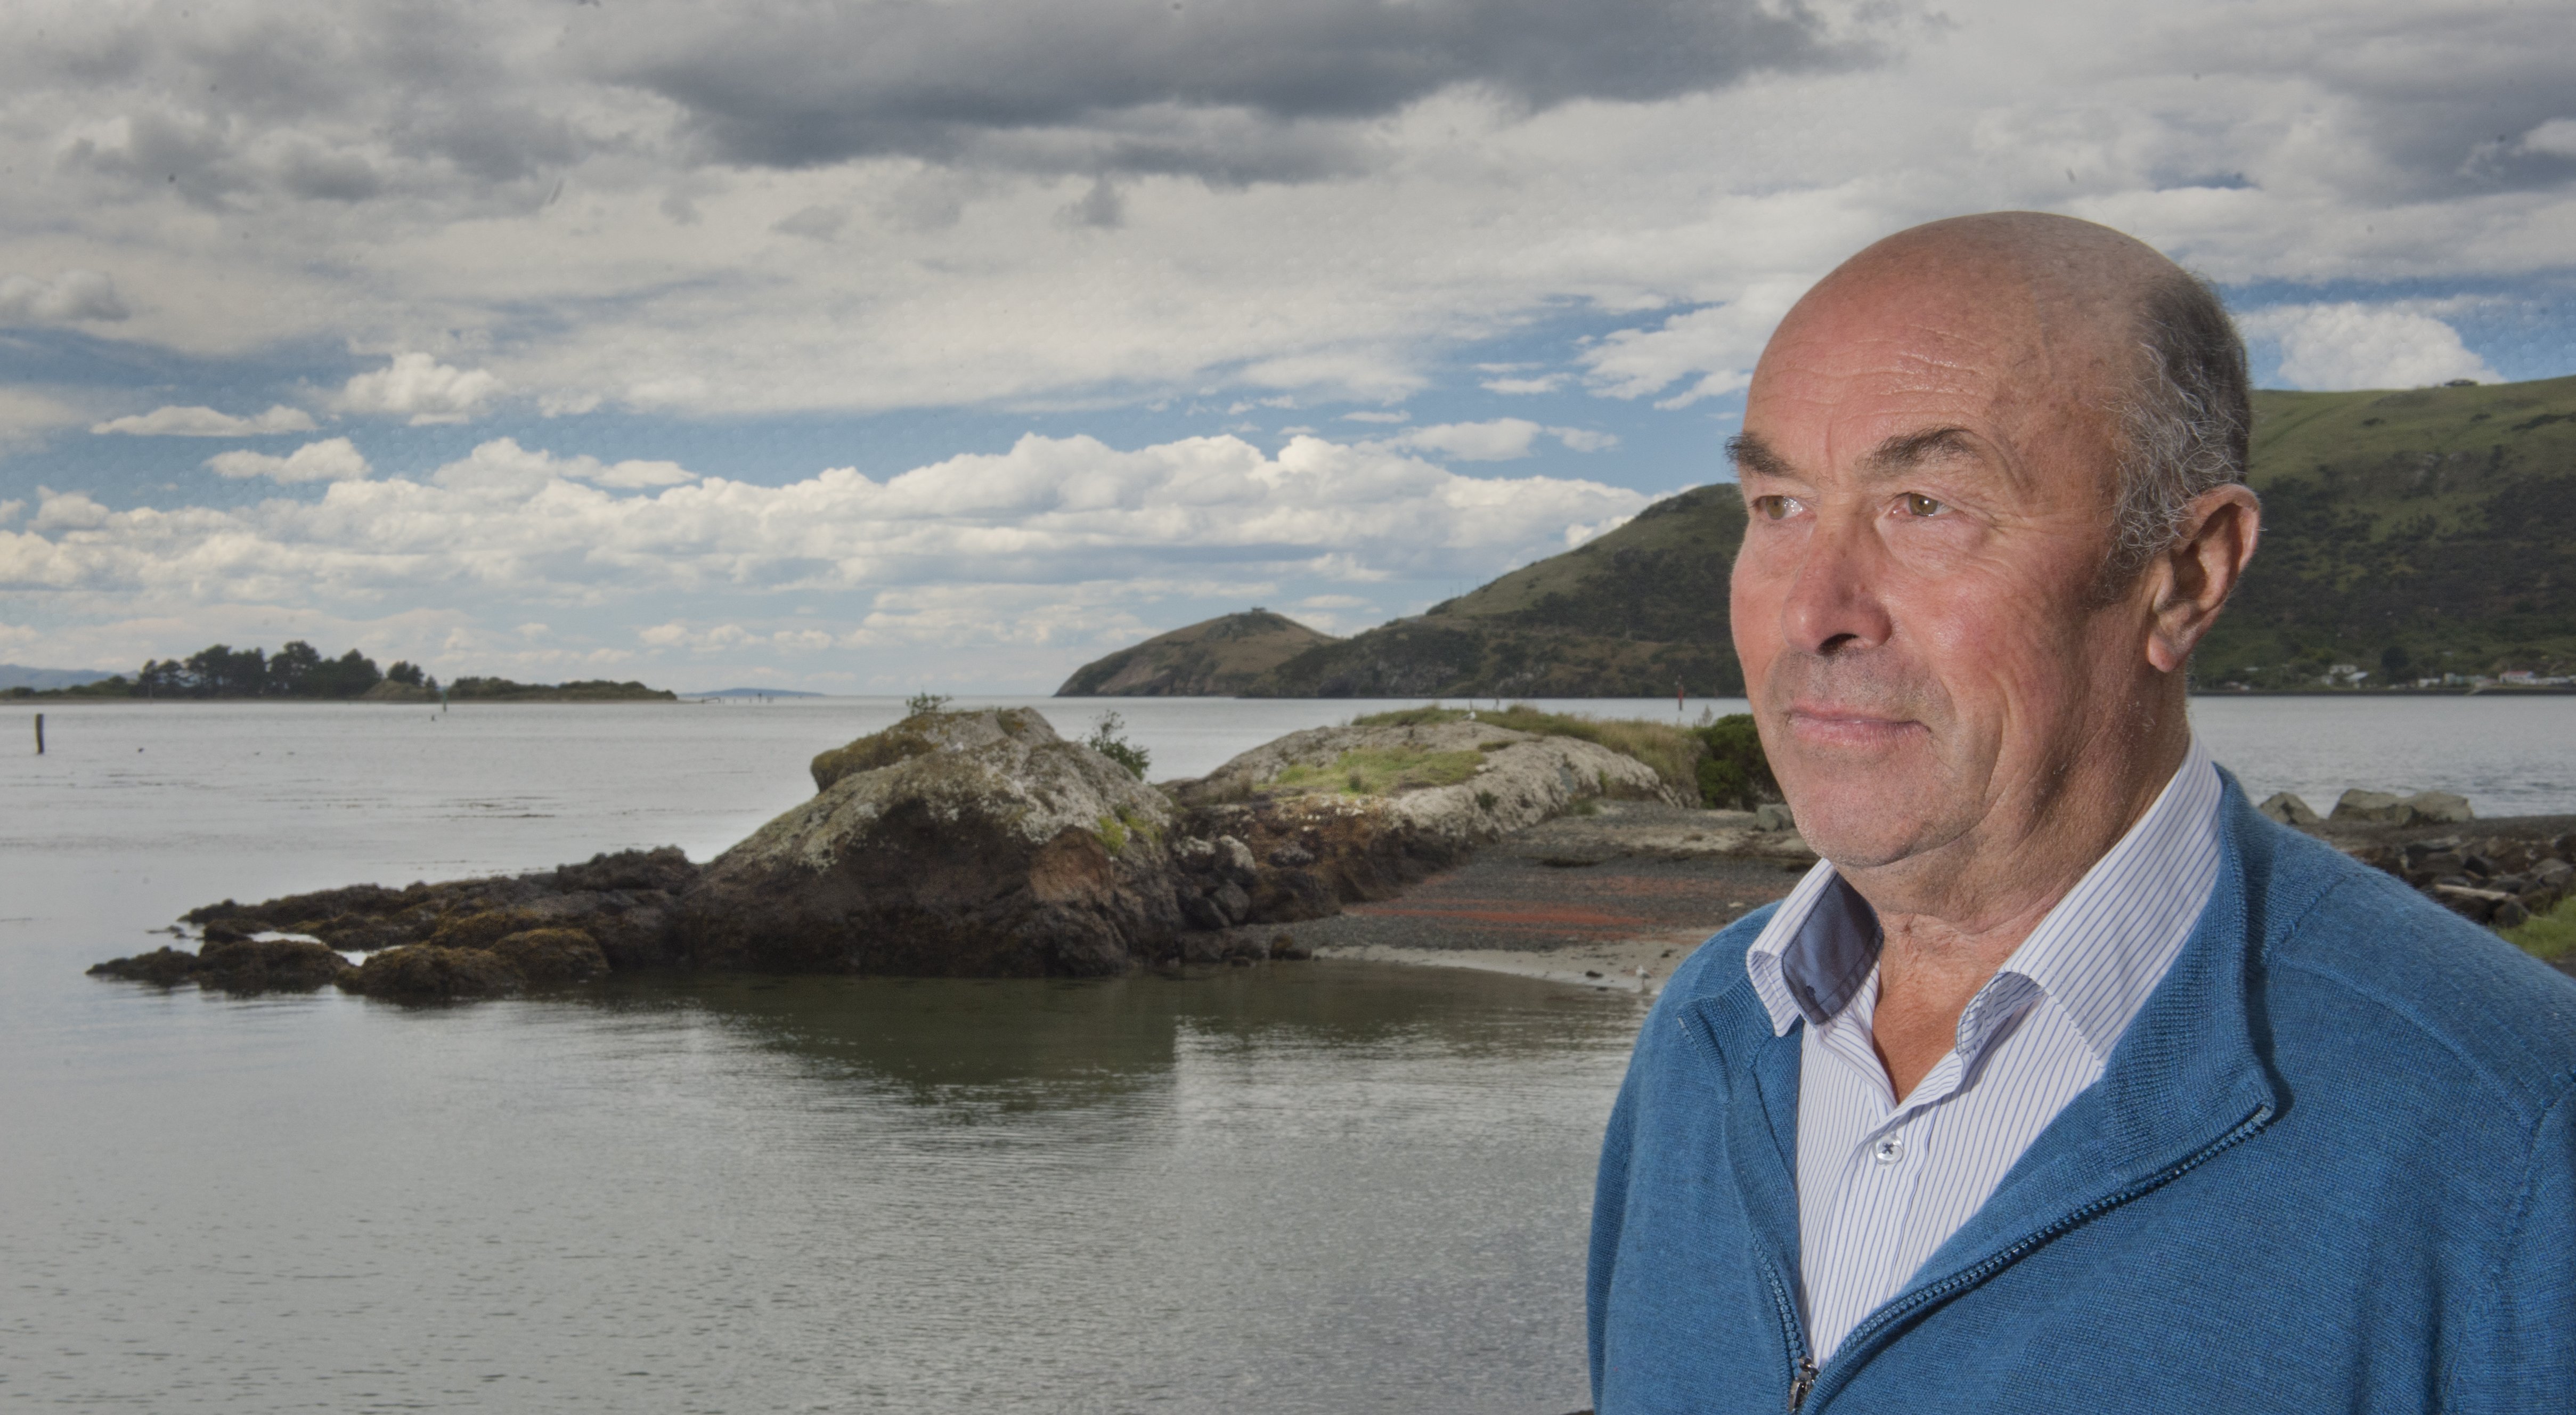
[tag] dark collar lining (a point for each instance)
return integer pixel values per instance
(1833, 952)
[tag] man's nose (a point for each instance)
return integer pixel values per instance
(1834, 601)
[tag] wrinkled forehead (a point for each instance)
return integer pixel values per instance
(1898, 347)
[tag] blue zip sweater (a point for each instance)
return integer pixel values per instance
(2331, 1165)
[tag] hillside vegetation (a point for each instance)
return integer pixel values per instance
(1218, 657)
(1629, 614)
(2411, 534)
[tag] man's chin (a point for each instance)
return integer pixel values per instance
(1859, 826)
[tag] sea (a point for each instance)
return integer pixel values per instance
(1323, 1187)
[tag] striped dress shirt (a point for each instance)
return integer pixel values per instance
(1882, 1185)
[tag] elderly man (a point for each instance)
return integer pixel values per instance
(2066, 1082)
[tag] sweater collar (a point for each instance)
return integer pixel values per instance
(2185, 1080)
(2098, 953)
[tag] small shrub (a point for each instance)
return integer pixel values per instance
(1735, 775)
(1109, 740)
(1585, 807)
(1484, 800)
(920, 703)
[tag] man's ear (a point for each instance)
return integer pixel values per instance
(2190, 583)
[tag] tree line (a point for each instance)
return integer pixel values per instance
(298, 670)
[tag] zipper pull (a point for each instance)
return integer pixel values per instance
(1802, 1382)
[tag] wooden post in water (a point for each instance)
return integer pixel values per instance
(40, 734)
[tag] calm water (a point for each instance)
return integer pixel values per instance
(1312, 1188)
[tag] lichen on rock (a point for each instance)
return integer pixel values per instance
(953, 843)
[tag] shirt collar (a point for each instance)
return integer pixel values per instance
(2098, 953)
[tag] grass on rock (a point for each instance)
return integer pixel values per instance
(1376, 771)
(2549, 936)
(1674, 751)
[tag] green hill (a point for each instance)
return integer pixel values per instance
(2410, 533)
(1218, 657)
(1628, 614)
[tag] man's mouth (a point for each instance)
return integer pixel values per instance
(1833, 725)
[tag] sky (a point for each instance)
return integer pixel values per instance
(948, 344)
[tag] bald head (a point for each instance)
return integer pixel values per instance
(2094, 320)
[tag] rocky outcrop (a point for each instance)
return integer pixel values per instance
(959, 844)
(620, 901)
(2288, 809)
(427, 973)
(954, 843)
(2391, 808)
(236, 964)
(1339, 815)
(2496, 880)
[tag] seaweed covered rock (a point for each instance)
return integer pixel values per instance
(162, 967)
(425, 972)
(620, 900)
(552, 957)
(235, 964)
(953, 843)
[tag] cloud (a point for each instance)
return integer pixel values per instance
(814, 223)
(2555, 138)
(71, 297)
(420, 388)
(1227, 92)
(1510, 385)
(514, 526)
(1498, 440)
(501, 469)
(334, 460)
(206, 422)
(1720, 343)
(2349, 345)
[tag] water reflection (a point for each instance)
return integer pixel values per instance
(1026, 1044)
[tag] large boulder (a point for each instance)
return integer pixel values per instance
(2288, 809)
(1337, 815)
(2361, 807)
(952, 844)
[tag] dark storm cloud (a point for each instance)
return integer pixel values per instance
(2441, 100)
(794, 85)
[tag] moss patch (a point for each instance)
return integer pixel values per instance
(901, 742)
(2547, 936)
(1381, 771)
(1673, 751)
(1113, 835)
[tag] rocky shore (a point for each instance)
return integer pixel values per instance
(982, 844)
(952, 844)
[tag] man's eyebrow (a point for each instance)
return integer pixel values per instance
(1907, 451)
(1752, 454)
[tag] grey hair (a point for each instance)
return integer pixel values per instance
(2186, 423)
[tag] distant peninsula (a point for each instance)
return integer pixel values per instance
(298, 671)
(2423, 539)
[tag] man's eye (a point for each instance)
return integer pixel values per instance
(1917, 504)
(1776, 508)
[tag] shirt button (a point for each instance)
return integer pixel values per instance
(1889, 1149)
